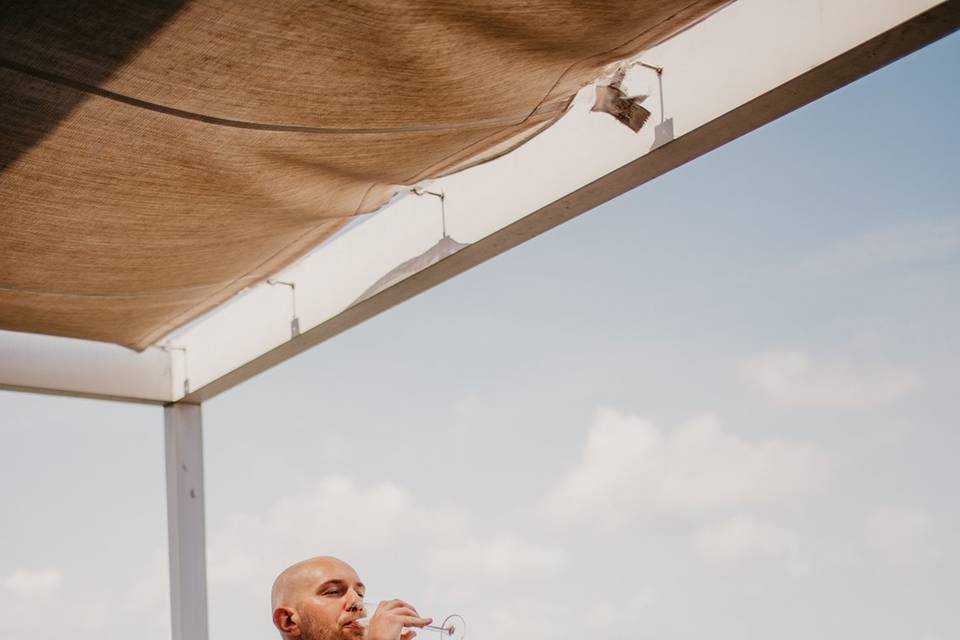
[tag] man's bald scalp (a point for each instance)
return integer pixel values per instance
(290, 584)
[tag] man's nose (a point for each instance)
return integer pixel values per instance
(355, 603)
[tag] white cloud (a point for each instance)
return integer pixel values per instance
(742, 537)
(900, 536)
(526, 620)
(27, 597)
(339, 517)
(794, 379)
(610, 613)
(149, 595)
(33, 583)
(631, 467)
(504, 556)
(603, 614)
(912, 241)
(334, 517)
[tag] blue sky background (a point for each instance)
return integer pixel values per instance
(793, 294)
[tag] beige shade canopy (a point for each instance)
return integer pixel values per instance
(160, 157)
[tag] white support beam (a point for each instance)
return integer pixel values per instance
(183, 436)
(70, 367)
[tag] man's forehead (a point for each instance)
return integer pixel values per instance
(328, 569)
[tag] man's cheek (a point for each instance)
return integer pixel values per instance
(313, 630)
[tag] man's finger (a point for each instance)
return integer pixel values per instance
(400, 603)
(409, 634)
(413, 621)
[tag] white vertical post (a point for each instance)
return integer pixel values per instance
(183, 436)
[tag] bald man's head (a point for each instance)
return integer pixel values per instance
(316, 599)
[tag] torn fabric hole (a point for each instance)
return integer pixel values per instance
(613, 100)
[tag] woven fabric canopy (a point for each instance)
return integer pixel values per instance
(160, 157)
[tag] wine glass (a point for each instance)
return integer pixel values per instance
(452, 628)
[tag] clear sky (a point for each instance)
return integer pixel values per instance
(721, 406)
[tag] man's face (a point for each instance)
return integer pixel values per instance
(331, 603)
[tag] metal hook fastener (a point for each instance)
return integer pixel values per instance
(295, 320)
(420, 191)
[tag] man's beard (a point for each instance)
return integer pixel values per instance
(315, 630)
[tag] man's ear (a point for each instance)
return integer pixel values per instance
(286, 621)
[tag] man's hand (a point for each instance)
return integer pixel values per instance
(392, 619)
